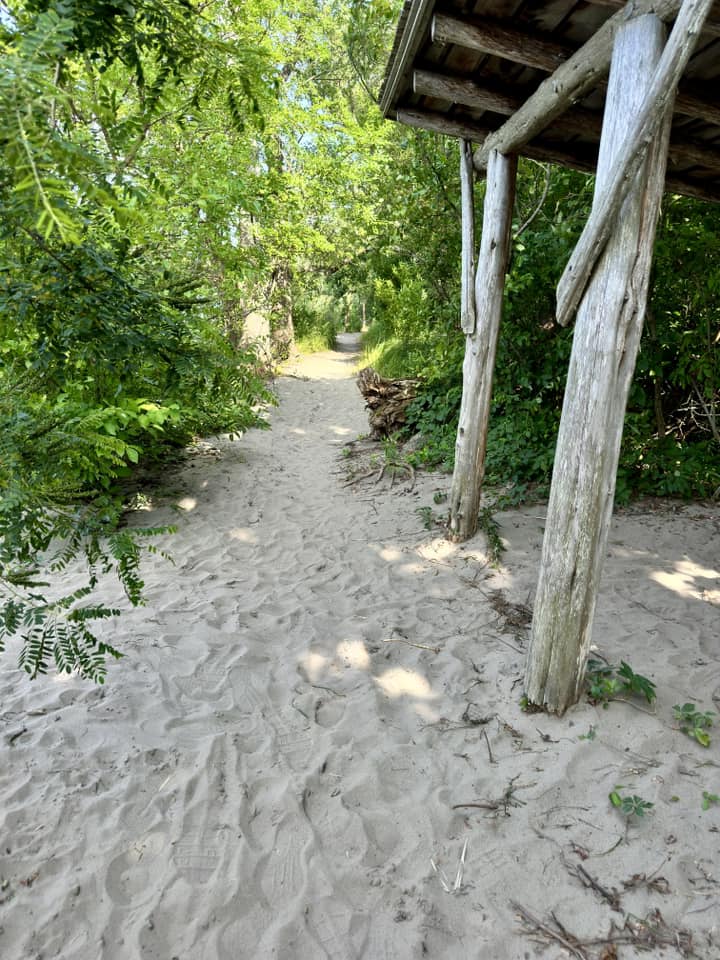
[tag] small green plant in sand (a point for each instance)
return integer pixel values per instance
(491, 528)
(605, 682)
(710, 800)
(694, 722)
(629, 805)
(427, 517)
(440, 496)
(395, 462)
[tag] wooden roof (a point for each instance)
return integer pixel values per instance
(462, 67)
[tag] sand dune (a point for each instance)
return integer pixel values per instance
(321, 697)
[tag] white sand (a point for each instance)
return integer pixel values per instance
(265, 776)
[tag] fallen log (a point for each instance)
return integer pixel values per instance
(386, 401)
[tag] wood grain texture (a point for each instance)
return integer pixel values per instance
(480, 347)
(630, 157)
(607, 336)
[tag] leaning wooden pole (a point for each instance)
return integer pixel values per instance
(480, 346)
(607, 336)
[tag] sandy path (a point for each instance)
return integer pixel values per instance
(264, 776)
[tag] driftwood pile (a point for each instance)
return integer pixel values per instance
(386, 400)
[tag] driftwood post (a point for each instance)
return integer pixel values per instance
(467, 280)
(607, 336)
(480, 346)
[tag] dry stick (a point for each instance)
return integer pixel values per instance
(461, 868)
(420, 646)
(319, 686)
(709, 413)
(588, 881)
(605, 212)
(508, 644)
(489, 749)
(548, 931)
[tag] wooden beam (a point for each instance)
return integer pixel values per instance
(545, 151)
(499, 40)
(409, 39)
(467, 207)
(466, 92)
(605, 345)
(569, 83)
(480, 347)
(711, 27)
(446, 124)
(576, 122)
(522, 46)
(627, 163)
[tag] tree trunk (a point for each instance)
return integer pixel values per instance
(607, 335)
(480, 347)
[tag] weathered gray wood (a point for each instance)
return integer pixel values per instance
(470, 94)
(712, 26)
(606, 207)
(607, 336)
(456, 90)
(531, 50)
(452, 126)
(467, 205)
(499, 40)
(418, 22)
(480, 347)
(448, 126)
(569, 83)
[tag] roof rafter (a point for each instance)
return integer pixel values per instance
(531, 50)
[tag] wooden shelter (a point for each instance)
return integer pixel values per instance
(631, 93)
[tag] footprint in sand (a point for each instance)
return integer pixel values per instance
(330, 924)
(294, 743)
(197, 856)
(208, 682)
(132, 876)
(284, 874)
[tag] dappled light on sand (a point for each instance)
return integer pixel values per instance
(690, 580)
(401, 682)
(243, 535)
(354, 654)
(322, 695)
(187, 504)
(314, 665)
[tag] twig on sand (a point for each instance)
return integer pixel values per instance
(611, 896)
(507, 800)
(489, 749)
(319, 686)
(648, 933)
(12, 737)
(537, 926)
(461, 868)
(442, 876)
(420, 646)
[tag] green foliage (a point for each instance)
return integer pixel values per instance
(709, 800)
(117, 254)
(694, 722)
(47, 526)
(490, 527)
(629, 805)
(604, 682)
(427, 517)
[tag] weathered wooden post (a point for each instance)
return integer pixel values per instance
(481, 329)
(607, 336)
